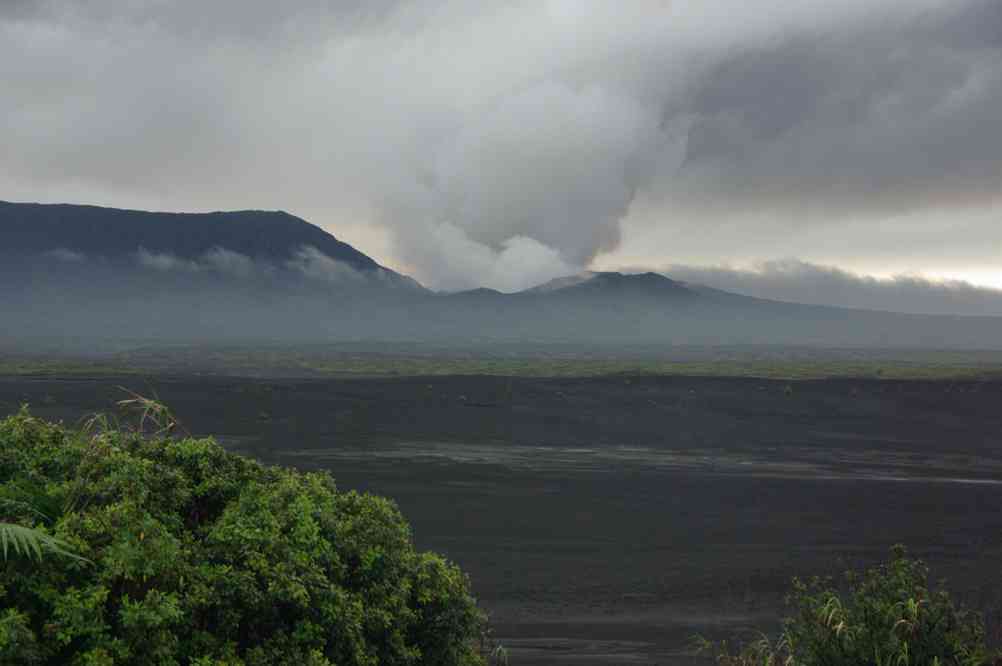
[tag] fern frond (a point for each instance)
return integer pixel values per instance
(32, 543)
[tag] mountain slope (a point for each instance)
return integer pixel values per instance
(651, 309)
(110, 233)
(613, 284)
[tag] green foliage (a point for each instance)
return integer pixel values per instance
(201, 557)
(886, 616)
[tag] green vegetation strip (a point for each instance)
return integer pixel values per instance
(380, 366)
(59, 367)
(597, 368)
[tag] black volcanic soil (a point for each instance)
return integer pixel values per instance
(606, 520)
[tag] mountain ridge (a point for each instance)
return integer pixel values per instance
(117, 233)
(104, 272)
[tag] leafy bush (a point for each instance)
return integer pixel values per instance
(887, 616)
(188, 554)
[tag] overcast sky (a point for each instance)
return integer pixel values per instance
(500, 143)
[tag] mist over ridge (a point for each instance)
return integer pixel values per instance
(97, 274)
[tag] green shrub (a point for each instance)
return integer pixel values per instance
(887, 616)
(188, 554)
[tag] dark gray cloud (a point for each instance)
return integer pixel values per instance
(508, 143)
(971, 25)
(802, 282)
(888, 117)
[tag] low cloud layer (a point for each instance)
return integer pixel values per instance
(499, 144)
(800, 282)
(307, 262)
(217, 260)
